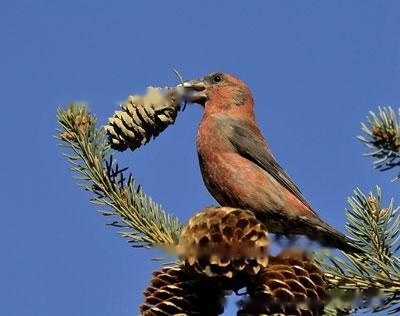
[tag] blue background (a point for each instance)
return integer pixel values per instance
(315, 68)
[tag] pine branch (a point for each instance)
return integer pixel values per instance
(145, 222)
(382, 137)
(370, 280)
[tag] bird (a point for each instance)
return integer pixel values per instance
(239, 169)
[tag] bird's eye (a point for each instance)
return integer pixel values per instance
(217, 78)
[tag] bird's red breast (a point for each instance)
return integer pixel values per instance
(234, 179)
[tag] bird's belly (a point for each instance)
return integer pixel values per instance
(237, 182)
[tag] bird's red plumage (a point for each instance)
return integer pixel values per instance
(239, 169)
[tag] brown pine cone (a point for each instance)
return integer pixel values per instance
(224, 241)
(142, 117)
(292, 284)
(176, 291)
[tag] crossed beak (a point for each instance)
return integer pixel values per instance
(195, 91)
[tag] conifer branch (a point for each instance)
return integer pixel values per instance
(370, 280)
(382, 137)
(145, 222)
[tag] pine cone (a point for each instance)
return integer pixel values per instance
(176, 291)
(292, 284)
(142, 117)
(224, 241)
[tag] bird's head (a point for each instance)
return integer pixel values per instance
(220, 93)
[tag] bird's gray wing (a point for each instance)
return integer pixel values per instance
(248, 142)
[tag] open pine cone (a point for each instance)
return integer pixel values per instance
(142, 117)
(292, 284)
(224, 241)
(176, 291)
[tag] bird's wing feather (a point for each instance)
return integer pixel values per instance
(251, 146)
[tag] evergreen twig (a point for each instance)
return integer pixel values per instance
(370, 280)
(146, 223)
(382, 137)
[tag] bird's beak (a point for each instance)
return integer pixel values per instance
(195, 91)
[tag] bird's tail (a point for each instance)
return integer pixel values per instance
(329, 237)
(312, 227)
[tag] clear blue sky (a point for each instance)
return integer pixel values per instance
(315, 67)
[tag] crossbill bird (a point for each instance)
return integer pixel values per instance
(239, 169)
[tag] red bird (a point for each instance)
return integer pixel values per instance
(238, 168)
